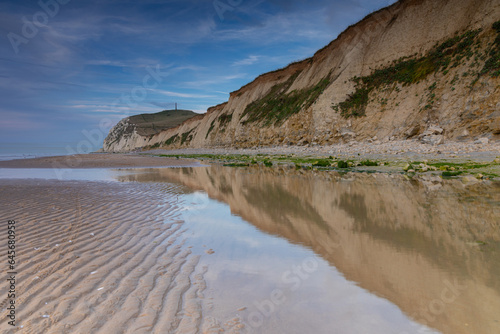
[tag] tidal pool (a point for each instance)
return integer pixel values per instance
(317, 252)
(267, 250)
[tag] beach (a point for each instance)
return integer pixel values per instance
(99, 256)
(390, 150)
(186, 248)
(90, 263)
(97, 160)
(231, 167)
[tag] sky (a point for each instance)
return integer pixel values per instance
(70, 69)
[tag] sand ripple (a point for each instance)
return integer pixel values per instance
(101, 258)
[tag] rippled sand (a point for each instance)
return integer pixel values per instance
(101, 160)
(431, 248)
(276, 252)
(100, 258)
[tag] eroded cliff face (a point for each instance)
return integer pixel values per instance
(401, 70)
(132, 132)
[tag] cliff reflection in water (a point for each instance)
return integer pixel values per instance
(433, 249)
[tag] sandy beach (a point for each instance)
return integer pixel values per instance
(216, 250)
(100, 258)
(97, 160)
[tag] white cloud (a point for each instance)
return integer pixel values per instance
(176, 94)
(279, 28)
(214, 80)
(250, 60)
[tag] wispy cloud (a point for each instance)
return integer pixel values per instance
(185, 95)
(20, 121)
(250, 60)
(214, 80)
(280, 27)
(93, 53)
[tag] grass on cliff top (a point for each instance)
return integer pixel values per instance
(150, 124)
(408, 71)
(277, 105)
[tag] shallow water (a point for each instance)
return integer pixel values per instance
(286, 252)
(386, 254)
(73, 174)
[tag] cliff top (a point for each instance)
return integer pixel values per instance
(150, 124)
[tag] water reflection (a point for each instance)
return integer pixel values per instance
(431, 247)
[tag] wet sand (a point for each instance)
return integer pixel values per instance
(430, 248)
(97, 160)
(148, 255)
(97, 257)
(147, 252)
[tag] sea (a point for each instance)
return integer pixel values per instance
(14, 151)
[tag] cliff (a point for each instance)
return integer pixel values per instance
(131, 132)
(416, 69)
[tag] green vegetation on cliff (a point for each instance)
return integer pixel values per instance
(406, 71)
(277, 105)
(151, 124)
(492, 65)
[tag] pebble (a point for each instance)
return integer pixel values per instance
(408, 149)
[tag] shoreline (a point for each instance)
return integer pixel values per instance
(97, 160)
(398, 149)
(473, 160)
(470, 161)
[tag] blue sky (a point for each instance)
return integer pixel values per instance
(70, 64)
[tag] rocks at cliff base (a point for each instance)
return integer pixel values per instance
(412, 132)
(347, 135)
(432, 136)
(482, 141)
(432, 140)
(431, 182)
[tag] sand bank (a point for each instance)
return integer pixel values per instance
(97, 161)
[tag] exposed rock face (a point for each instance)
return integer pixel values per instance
(432, 136)
(399, 71)
(132, 132)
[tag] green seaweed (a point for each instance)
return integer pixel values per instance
(451, 173)
(343, 164)
(322, 163)
(368, 163)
